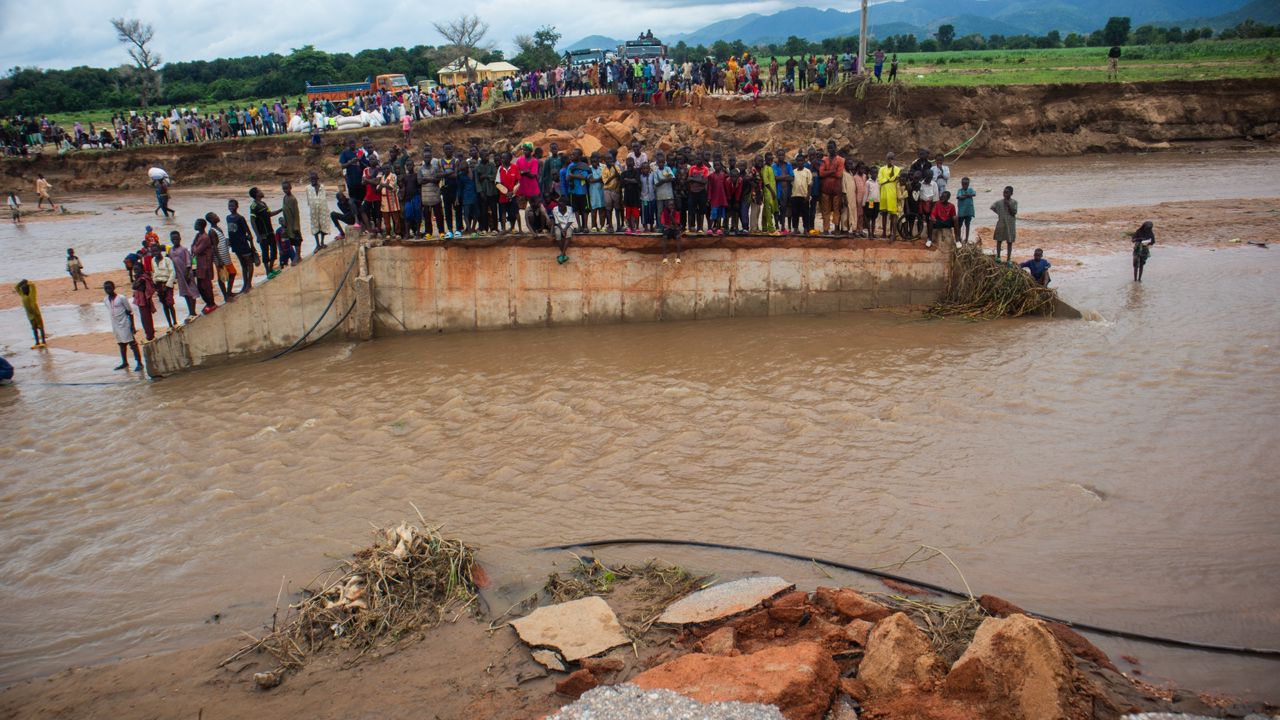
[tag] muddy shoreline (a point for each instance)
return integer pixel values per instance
(1035, 121)
(869, 654)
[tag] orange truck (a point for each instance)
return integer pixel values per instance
(393, 82)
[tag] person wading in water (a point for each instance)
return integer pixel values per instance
(1143, 238)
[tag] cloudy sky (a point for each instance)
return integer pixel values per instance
(67, 33)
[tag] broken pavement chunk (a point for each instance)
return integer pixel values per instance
(578, 629)
(724, 600)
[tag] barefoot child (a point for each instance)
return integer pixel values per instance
(563, 220)
(27, 291)
(15, 207)
(964, 208)
(75, 269)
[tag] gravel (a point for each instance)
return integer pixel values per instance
(628, 702)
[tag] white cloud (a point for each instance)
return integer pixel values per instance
(67, 33)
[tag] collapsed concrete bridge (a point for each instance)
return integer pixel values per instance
(359, 289)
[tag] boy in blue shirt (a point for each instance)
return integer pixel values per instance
(467, 197)
(1039, 267)
(964, 207)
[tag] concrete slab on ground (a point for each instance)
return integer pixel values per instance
(578, 629)
(724, 600)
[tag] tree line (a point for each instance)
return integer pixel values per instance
(31, 91)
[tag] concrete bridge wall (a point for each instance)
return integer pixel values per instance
(411, 287)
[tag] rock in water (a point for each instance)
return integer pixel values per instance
(799, 679)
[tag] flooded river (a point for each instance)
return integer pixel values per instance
(1119, 471)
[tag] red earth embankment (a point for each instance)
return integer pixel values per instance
(1030, 120)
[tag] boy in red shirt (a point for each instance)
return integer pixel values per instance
(943, 217)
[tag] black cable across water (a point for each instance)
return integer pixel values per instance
(1125, 634)
(299, 341)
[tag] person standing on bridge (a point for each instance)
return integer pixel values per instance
(352, 164)
(1006, 210)
(183, 275)
(887, 182)
(203, 252)
(318, 207)
(122, 325)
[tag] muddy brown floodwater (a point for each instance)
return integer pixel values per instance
(1119, 471)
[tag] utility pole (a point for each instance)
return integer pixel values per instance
(862, 41)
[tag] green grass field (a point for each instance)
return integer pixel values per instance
(1201, 60)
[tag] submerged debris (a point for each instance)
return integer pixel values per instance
(650, 587)
(980, 287)
(408, 580)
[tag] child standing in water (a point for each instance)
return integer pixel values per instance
(27, 291)
(15, 207)
(75, 269)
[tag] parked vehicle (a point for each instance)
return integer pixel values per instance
(584, 57)
(341, 91)
(643, 48)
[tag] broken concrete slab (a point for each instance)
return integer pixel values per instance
(548, 659)
(724, 600)
(578, 629)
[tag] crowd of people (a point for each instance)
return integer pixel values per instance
(419, 194)
(653, 81)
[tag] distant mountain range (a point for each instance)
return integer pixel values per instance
(1004, 17)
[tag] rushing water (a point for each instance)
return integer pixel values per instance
(1119, 471)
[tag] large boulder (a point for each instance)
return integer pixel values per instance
(799, 679)
(588, 144)
(1017, 670)
(898, 657)
(1078, 644)
(620, 133)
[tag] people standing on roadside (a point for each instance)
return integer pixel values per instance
(1143, 238)
(318, 207)
(122, 325)
(260, 218)
(163, 278)
(964, 208)
(184, 276)
(75, 269)
(241, 244)
(205, 253)
(27, 291)
(1006, 210)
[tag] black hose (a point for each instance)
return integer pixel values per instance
(1125, 634)
(315, 325)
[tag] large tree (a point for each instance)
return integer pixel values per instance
(537, 52)
(138, 35)
(465, 38)
(1117, 31)
(946, 35)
